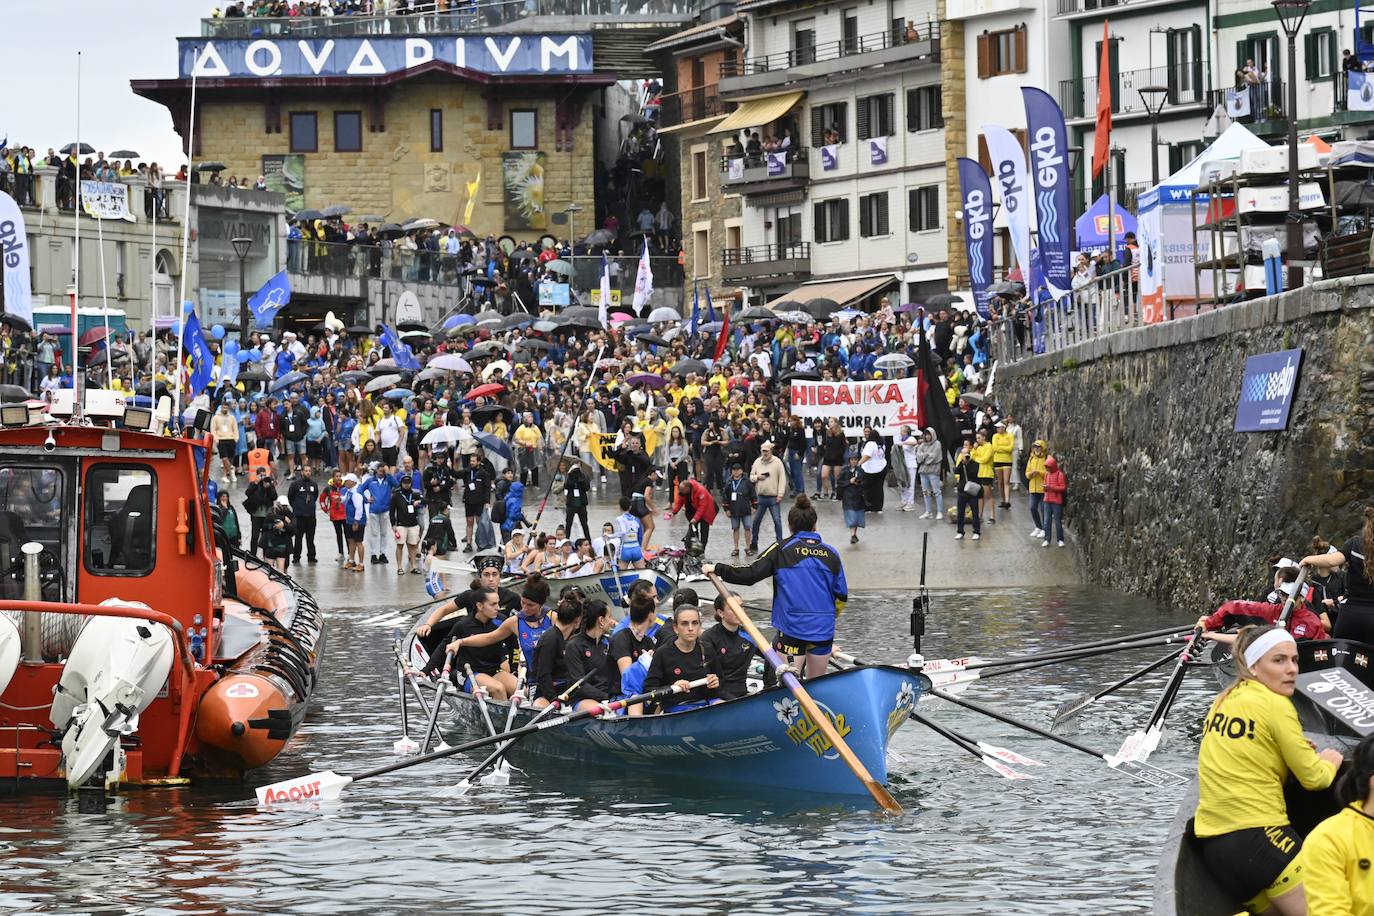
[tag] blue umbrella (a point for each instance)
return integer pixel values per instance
(399, 393)
(454, 321)
(493, 444)
(289, 379)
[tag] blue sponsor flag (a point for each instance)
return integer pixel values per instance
(400, 350)
(1049, 169)
(696, 304)
(266, 302)
(975, 194)
(202, 360)
(228, 368)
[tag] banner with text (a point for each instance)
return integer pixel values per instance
(14, 260)
(1049, 170)
(105, 200)
(1266, 391)
(976, 197)
(885, 404)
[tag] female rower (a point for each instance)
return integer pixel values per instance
(627, 646)
(1251, 741)
(587, 651)
(681, 661)
(549, 667)
(489, 658)
(1336, 855)
(514, 552)
(732, 651)
(526, 627)
(1356, 619)
(809, 588)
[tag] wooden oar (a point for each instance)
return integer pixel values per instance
(1132, 768)
(438, 700)
(405, 745)
(997, 766)
(327, 785)
(502, 750)
(1070, 708)
(1139, 745)
(876, 789)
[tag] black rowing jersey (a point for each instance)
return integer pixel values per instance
(671, 664)
(483, 659)
(733, 653)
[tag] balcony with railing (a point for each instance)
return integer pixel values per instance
(811, 62)
(765, 172)
(1089, 8)
(1187, 86)
(762, 264)
(1260, 106)
(693, 105)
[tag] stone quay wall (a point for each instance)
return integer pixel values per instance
(1165, 500)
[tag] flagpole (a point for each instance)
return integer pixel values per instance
(185, 236)
(104, 302)
(76, 250)
(152, 314)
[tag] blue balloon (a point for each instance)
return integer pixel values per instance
(176, 329)
(230, 346)
(255, 354)
(188, 306)
(217, 331)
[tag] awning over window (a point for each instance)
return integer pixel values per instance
(757, 112)
(844, 292)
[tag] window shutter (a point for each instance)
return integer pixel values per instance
(913, 121)
(933, 207)
(1309, 55)
(937, 107)
(883, 225)
(1113, 63)
(841, 231)
(818, 218)
(913, 207)
(1175, 158)
(984, 157)
(817, 127)
(1195, 49)
(984, 56)
(889, 106)
(1333, 56)
(1020, 50)
(865, 218)
(1242, 52)
(862, 125)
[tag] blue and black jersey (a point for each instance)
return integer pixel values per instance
(809, 588)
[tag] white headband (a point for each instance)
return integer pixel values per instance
(1267, 641)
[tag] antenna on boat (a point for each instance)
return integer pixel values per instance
(920, 607)
(186, 239)
(76, 252)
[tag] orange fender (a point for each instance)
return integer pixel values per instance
(246, 716)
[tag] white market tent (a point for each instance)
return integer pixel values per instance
(1165, 233)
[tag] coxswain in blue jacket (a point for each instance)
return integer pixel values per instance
(809, 588)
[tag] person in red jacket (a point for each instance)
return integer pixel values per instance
(332, 504)
(267, 425)
(1056, 485)
(700, 506)
(1302, 623)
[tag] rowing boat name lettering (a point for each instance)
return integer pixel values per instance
(1336, 691)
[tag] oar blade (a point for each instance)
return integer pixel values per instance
(1160, 779)
(405, 746)
(1001, 769)
(1070, 708)
(313, 787)
(1007, 756)
(1131, 747)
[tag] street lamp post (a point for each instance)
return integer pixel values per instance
(241, 248)
(1291, 14)
(1154, 98)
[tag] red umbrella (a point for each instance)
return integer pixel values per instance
(93, 335)
(489, 390)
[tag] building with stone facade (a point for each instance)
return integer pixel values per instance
(853, 198)
(711, 218)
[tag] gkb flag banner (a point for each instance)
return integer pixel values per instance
(266, 302)
(976, 201)
(1049, 168)
(202, 360)
(1009, 172)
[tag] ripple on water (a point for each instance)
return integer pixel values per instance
(1079, 838)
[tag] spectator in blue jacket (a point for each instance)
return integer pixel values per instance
(377, 493)
(515, 508)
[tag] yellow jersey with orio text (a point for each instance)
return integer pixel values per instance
(1338, 865)
(1251, 741)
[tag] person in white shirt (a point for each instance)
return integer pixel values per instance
(391, 434)
(908, 442)
(874, 466)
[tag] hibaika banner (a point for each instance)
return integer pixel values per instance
(884, 404)
(105, 200)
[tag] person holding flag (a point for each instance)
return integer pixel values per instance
(400, 350)
(644, 282)
(603, 308)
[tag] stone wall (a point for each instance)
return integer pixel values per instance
(956, 140)
(717, 209)
(1165, 500)
(396, 175)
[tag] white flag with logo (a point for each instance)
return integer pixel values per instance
(644, 281)
(735, 169)
(605, 292)
(1361, 92)
(1238, 103)
(1009, 177)
(14, 259)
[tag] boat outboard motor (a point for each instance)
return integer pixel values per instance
(115, 671)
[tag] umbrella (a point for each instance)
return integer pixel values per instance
(672, 333)
(940, 300)
(381, 383)
(486, 348)
(1009, 288)
(357, 329)
(450, 362)
(652, 339)
(57, 330)
(636, 119)
(517, 320)
(799, 375)
(423, 222)
(608, 362)
(414, 334)
(786, 305)
(524, 254)
(454, 321)
(125, 154)
(91, 336)
(289, 379)
(353, 375)
(491, 368)
(252, 375)
(444, 435)
(399, 394)
(545, 327)
(647, 379)
(890, 361)
(488, 315)
(710, 327)
(428, 374)
(85, 149)
(972, 397)
(14, 392)
(491, 390)
(757, 313)
(464, 231)
(907, 307)
(599, 237)
(493, 444)
(308, 215)
(581, 311)
(211, 167)
(579, 321)
(15, 321)
(411, 326)
(559, 266)
(336, 210)
(489, 412)
(685, 366)
(796, 317)
(368, 218)
(534, 343)
(821, 307)
(383, 365)
(389, 231)
(664, 313)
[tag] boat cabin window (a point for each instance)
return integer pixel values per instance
(31, 500)
(120, 520)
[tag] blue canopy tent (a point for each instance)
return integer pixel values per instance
(1091, 228)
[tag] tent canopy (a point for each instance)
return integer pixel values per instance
(1179, 187)
(1091, 227)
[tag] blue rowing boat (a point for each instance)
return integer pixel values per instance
(764, 739)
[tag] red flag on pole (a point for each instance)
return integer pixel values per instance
(724, 333)
(1102, 134)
